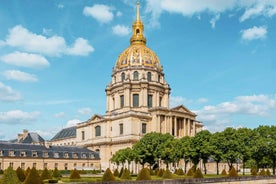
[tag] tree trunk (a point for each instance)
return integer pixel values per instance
(185, 168)
(217, 168)
(274, 165)
(205, 170)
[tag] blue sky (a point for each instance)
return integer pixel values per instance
(56, 58)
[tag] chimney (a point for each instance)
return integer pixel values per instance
(25, 133)
(19, 137)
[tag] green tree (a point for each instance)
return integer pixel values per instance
(20, 174)
(9, 177)
(33, 177)
(185, 151)
(144, 174)
(169, 153)
(230, 146)
(149, 148)
(216, 151)
(245, 138)
(56, 173)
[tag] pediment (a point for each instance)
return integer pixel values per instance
(182, 109)
(96, 117)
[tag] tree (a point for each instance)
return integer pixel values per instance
(144, 174)
(56, 173)
(216, 151)
(10, 177)
(230, 146)
(185, 150)
(149, 148)
(245, 138)
(169, 152)
(20, 174)
(33, 177)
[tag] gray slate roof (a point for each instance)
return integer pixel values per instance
(65, 133)
(32, 137)
(6, 147)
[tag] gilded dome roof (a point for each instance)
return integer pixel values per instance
(138, 54)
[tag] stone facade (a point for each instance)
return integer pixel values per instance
(137, 102)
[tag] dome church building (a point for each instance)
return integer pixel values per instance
(137, 102)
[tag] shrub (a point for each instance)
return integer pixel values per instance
(180, 172)
(46, 174)
(1, 171)
(9, 177)
(56, 173)
(254, 171)
(268, 172)
(121, 172)
(190, 172)
(28, 170)
(160, 173)
(223, 173)
(151, 172)
(156, 172)
(262, 173)
(20, 174)
(167, 174)
(74, 174)
(144, 174)
(108, 176)
(198, 174)
(233, 172)
(116, 173)
(126, 174)
(33, 177)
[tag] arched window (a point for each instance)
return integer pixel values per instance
(137, 31)
(159, 78)
(135, 75)
(98, 131)
(149, 76)
(123, 76)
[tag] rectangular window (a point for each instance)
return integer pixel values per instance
(98, 131)
(135, 100)
(45, 165)
(149, 101)
(121, 128)
(34, 165)
(160, 101)
(65, 166)
(56, 165)
(122, 101)
(144, 128)
(23, 166)
(82, 135)
(11, 164)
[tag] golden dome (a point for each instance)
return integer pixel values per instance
(138, 54)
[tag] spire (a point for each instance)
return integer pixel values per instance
(137, 28)
(138, 11)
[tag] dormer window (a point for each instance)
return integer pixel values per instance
(1, 153)
(11, 153)
(66, 155)
(83, 155)
(34, 153)
(23, 153)
(45, 154)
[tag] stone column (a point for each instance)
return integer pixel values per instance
(158, 124)
(175, 126)
(194, 128)
(185, 127)
(189, 127)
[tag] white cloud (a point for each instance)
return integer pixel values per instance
(18, 117)
(59, 115)
(254, 33)
(73, 122)
(101, 13)
(215, 116)
(60, 6)
(121, 30)
(23, 39)
(80, 47)
(8, 94)
(214, 20)
(190, 8)
(25, 60)
(47, 31)
(20, 76)
(202, 100)
(85, 111)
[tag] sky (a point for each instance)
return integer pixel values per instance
(56, 58)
